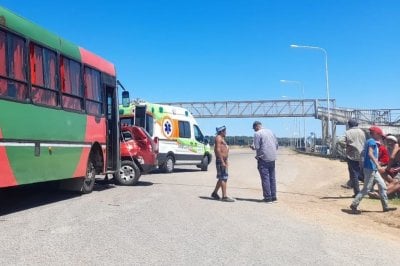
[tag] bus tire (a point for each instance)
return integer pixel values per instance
(204, 163)
(129, 174)
(90, 178)
(168, 165)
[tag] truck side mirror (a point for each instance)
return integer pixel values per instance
(125, 99)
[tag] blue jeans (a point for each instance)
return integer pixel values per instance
(369, 177)
(355, 174)
(268, 181)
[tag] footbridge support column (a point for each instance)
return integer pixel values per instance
(329, 138)
(324, 130)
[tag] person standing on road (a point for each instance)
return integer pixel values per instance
(266, 145)
(355, 140)
(371, 174)
(221, 151)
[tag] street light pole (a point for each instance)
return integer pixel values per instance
(300, 84)
(326, 76)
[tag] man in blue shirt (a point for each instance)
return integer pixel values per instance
(371, 171)
(265, 144)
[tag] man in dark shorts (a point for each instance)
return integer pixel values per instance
(221, 151)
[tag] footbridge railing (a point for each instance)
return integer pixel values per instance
(381, 117)
(246, 109)
(388, 119)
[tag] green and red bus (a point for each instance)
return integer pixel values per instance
(58, 109)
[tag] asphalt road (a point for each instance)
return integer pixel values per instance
(169, 219)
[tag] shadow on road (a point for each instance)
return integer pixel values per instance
(102, 186)
(180, 184)
(144, 184)
(238, 199)
(207, 198)
(15, 199)
(251, 200)
(337, 197)
(296, 193)
(348, 211)
(176, 170)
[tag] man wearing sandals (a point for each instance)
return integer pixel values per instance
(221, 151)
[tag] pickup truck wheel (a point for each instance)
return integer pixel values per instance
(204, 163)
(168, 165)
(129, 174)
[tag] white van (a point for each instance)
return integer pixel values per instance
(181, 141)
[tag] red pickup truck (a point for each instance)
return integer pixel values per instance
(138, 155)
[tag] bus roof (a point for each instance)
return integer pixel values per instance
(28, 29)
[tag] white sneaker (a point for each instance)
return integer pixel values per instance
(228, 199)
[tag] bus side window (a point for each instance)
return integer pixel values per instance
(12, 61)
(3, 60)
(71, 87)
(16, 67)
(93, 91)
(43, 75)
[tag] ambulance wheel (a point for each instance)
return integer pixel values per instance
(204, 163)
(168, 165)
(129, 174)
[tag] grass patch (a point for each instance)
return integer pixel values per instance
(395, 201)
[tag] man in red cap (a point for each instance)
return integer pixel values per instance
(371, 167)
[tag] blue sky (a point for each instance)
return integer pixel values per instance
(238, 50)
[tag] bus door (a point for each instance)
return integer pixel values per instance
(113, 155)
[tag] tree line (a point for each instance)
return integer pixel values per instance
(248, 140)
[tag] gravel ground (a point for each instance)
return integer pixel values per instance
(170, 219)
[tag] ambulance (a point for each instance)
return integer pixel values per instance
(180, 140)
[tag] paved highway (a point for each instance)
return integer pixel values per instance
(169, 219)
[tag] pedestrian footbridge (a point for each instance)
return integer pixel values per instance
(388, 119)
